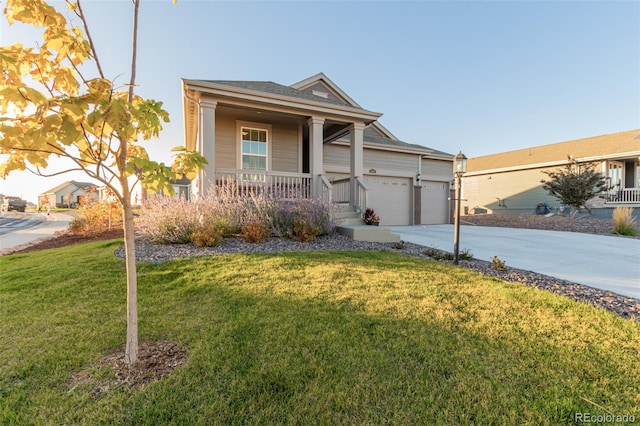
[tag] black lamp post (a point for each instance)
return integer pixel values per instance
(459, 168)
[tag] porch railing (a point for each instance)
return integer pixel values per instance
(284, 184)
(361, 195)
(624, 196)
(341, 193)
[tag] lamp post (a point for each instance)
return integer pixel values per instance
(459, 168)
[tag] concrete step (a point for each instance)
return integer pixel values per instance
(347, 215)
(378, 234)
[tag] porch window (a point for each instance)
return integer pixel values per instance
(254, 149)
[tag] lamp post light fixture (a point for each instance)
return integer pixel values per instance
(459, 169)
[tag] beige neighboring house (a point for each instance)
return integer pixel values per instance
(314, 137)
(510, 182)
(68, 194)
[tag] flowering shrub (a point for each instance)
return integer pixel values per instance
(168, 220)
(252, 214)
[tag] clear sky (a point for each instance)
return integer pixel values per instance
(477, 76)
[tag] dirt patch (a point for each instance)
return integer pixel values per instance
(156, 361)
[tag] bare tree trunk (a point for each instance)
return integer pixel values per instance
(131, 347)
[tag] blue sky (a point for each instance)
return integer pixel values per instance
(476, 76)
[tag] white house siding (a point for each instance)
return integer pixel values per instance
(436, 170)
(285, 148)
(226, 142)
(285, 144)
(397, 163)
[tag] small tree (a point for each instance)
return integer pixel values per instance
(49, 105)
(575, 184)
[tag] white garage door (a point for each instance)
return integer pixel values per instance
(391, 198)
(435, 203)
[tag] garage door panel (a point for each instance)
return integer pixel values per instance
(390, 197)
(434, 203)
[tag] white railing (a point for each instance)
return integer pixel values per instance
(361, 195)
(624, 196)
(244, 182)
(327, 189)
(341, 193)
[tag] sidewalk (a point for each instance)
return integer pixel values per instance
(604, 262)
(47, 228)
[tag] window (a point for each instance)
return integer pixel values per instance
(254, 149)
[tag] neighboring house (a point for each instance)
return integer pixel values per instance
(510, 182)
(312, 136)
(181, 187)
(68, 194)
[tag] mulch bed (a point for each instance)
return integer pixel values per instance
(156, 361)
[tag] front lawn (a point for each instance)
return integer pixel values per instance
(307, 338)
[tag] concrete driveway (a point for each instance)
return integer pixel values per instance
(600, 261)
(34, 226)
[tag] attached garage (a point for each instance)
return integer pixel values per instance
(391, 199)
(434, 205)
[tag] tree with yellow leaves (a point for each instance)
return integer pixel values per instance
(51, 106)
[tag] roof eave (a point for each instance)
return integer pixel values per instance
(273, 99)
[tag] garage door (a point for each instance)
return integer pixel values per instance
(435, 203)
(390, 197)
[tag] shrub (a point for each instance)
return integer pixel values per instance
(95, 218)
(623, 221)
(497, 264)
(370, 217)
(254, 232)
(305, 231)
(209, 234)
(169, 220)
(250, 212)
(466, 254)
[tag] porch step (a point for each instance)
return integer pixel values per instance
(347, 215)
(377, 234)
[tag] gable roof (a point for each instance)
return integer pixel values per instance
(78, 185)
(320, 80)
(326, 93)
(275, 89)
(611, 146)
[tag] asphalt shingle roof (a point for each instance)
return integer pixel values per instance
(276, 89)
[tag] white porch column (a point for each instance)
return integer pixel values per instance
(357, 158)
(207, 144)
(316, 136)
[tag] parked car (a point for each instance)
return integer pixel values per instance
(13, 203)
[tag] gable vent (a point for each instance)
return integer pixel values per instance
(321, 94)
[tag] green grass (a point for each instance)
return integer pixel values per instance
(308, 338)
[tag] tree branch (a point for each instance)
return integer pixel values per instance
(80, 14)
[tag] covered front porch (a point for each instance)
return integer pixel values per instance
(261, 141)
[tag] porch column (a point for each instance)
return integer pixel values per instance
(357, 159)
(316, 135)
(207, 144)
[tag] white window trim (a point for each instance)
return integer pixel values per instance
(258, 126)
